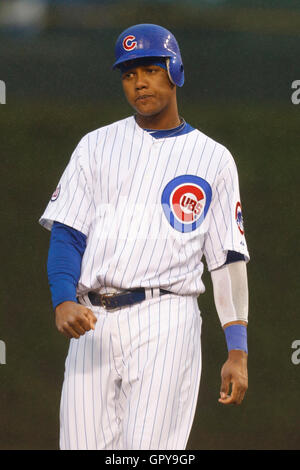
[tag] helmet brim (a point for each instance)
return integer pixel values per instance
(139, 55)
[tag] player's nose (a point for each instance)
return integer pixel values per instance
(141, 81)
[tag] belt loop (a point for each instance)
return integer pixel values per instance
(155, 293)
(148, 293)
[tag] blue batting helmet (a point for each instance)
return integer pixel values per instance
(150, 40)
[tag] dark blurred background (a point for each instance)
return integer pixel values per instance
(241, 58)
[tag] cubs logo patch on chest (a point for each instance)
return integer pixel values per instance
(185, 201)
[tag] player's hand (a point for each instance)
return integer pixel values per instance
(74, 320)
(234, 373)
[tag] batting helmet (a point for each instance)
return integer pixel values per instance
(150, 40)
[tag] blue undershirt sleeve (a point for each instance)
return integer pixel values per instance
(233, 256)
(66, 250)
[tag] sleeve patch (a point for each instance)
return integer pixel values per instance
(56, 193)
(239, 217)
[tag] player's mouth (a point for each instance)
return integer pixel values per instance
(143, 98)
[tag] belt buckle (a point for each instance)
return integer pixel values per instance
(104, 299)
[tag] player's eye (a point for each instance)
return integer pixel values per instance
(127, 75)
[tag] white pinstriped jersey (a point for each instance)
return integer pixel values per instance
(150, 208)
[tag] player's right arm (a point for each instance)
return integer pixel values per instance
(66, 250)
(69, 215)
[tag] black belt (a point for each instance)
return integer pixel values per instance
(121, 299)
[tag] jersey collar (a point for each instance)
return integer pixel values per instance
(183, 128)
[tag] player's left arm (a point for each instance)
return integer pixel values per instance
(230, 287)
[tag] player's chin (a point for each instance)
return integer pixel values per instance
(146, 110)
(146, 107)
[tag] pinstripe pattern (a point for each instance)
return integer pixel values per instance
(122, 164)
(133, 382)
(147, 384)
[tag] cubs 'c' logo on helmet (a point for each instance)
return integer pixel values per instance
(185, 202)
(129, 43)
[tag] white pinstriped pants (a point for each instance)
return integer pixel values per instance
(133, 382)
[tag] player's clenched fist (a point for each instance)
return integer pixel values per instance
(74, 320)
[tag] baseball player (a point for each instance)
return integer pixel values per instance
(138, 205)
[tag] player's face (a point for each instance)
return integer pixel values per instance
(150, 92)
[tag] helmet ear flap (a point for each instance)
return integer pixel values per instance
(175, 70)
